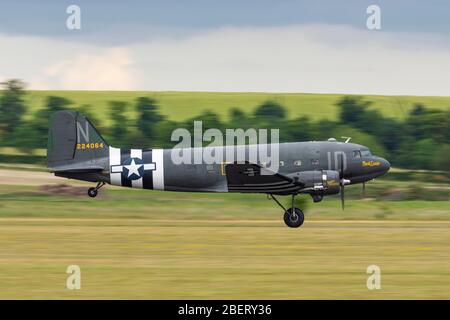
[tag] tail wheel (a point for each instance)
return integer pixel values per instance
(294, 219)
(92, 192)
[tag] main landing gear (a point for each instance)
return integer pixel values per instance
(293, 217)
(92, 192)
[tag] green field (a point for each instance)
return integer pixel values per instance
(133, 244)
(160, 245)
(185, 105)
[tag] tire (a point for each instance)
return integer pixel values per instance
(92, 192)
(291, 221)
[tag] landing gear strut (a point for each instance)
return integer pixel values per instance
(92, 192)
(293, 217)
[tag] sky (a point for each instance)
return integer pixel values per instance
(260, 46)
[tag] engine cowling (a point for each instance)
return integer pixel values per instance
(324, 182)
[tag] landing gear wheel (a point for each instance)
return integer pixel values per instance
(92, 192)
(294, 219)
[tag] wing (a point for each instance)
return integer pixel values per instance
(250, 177)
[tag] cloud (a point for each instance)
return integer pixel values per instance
(108, 69)
(316, 58)
(300, 58)
(47, 63)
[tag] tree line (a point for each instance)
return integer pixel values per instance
(419, 141)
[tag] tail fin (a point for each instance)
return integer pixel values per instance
(74, 144)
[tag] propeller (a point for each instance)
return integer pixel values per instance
(341, 176)
(343, 181)
(364, 189)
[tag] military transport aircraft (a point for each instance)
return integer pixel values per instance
(318, 168)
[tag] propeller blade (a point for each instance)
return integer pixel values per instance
(364, 189)
(341, 173)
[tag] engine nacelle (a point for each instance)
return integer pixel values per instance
(323, 182)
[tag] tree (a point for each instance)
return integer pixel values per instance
(418, 154)
(119, 130)
(86, 110)
(238, 119)
(423, 123)
(12, 107)
(42, 117)
(299, 129)
(441, 158)
(270, 109)
(355, 112)
(418, 110)
(351, 109)
(270, 115)
(148, 117)
(209, 119)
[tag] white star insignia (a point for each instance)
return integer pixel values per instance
(133, 168)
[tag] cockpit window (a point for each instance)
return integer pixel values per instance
(356, 154)
(366, 153)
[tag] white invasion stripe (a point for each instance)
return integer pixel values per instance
(137, 183)
(149, 166)
(136, 153)
(158, 174)
(114, 160)
(115, 169)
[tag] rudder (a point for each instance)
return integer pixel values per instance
(74, 143)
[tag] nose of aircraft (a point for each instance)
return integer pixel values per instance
(376, 167)
(385, 165)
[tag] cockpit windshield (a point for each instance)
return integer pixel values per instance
(366, 153)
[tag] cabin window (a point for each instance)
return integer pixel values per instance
(366, 153)
(297, 163)
(315, 162)
(356, 154)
